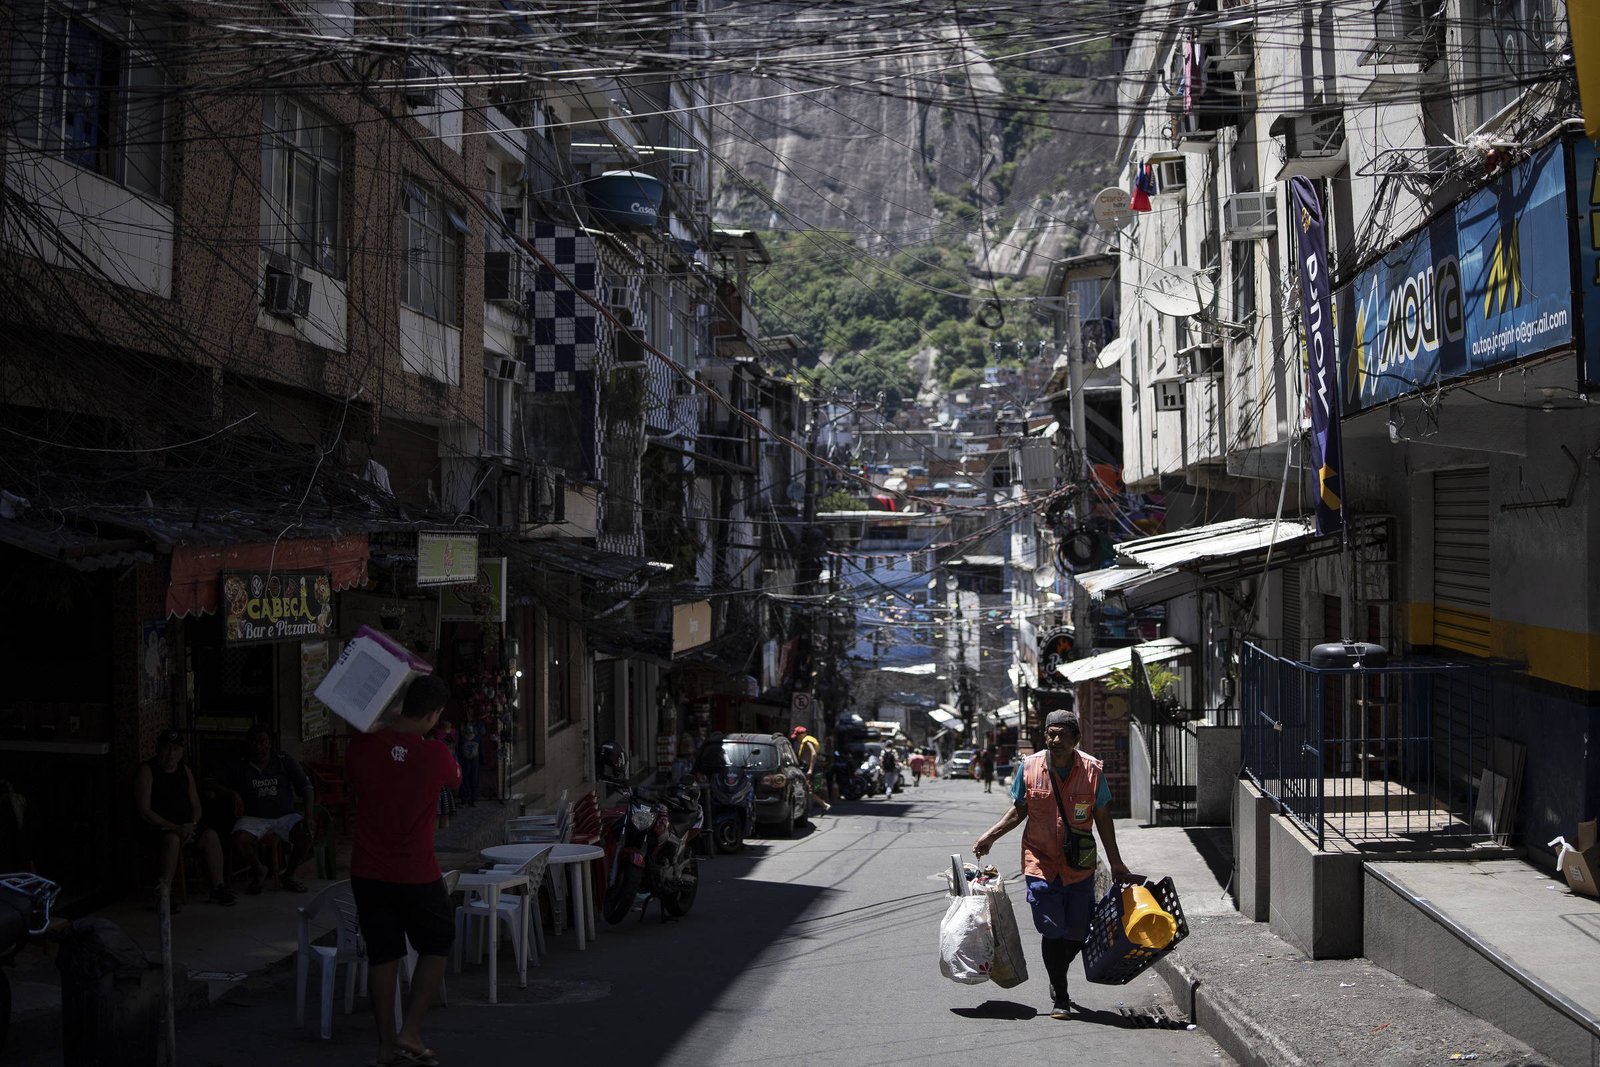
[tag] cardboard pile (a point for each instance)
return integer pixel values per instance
(1581, 866)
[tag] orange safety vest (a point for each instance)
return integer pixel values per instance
(1042, 853)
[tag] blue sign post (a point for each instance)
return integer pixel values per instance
(1487, 282)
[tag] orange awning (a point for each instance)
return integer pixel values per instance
(196, 570)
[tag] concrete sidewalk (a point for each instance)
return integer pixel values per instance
(1267, 1005)
(214, 948)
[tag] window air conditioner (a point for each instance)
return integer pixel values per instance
(1246, 216)
(682, 173)
(1233, 52)
(502, 278)
(1170, 176)
(1169, 395)
(508, 370)
(288, 297)
(617, 304)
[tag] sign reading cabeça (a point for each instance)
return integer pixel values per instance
(281, 606)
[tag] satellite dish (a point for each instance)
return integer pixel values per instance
(1110, 356)
(1111, 208)
(1179, 291)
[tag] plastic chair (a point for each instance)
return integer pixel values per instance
(330, 789)
(512, 910)
(348, 949)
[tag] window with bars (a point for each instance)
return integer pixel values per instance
(433, 235)
(302, 175)
(93, 91)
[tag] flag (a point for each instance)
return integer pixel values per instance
(1143, 186)
(1316, 309)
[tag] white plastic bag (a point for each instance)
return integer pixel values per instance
(966, 940)
(1010, 967)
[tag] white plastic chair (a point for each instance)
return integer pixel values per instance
(348, 949)
(513, 910)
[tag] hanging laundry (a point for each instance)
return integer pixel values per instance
(1143, 186)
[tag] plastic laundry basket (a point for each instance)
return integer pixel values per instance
(1109, 958)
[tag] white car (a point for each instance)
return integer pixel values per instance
(960, 765)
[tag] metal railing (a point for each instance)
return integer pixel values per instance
(1378, 758)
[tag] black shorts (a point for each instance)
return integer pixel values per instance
(393, 913)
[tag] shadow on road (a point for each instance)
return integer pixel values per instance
(997, 1009)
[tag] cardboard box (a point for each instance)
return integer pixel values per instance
(1581, 866)
(370, 673)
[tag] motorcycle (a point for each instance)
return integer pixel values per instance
(733, 808)
(872, 775)
(648, 848)
(25, 901)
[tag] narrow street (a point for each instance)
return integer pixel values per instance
(821, 948)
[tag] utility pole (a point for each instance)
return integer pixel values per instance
(1079, 472)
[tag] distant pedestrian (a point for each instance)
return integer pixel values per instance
(986, 769)
(890, 764)
(808, 750)
(916, 762)
(397, 774)
(1059, 798)
(470, 752)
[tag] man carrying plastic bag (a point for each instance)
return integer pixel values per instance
(1060, 798)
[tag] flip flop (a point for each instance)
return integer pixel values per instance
(420, 1057)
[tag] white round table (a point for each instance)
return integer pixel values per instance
(576, 858)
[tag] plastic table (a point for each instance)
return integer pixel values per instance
(576, 858)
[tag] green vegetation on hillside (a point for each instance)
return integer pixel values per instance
(866, 315)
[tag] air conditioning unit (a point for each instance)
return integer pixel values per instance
(1171, 176)
(682, 173)
(1204, 358)
(419, 90)
(1169, 395)
(1313, 145)
(1247, 216)
(508, 370)
(547, 496)
(503, 281)
(288, 297)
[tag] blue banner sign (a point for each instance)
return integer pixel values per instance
(1586, 180)
(1487, 282)
(1322, 379)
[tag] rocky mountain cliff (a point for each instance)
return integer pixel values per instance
(941, 132)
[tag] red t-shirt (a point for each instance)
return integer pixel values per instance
(397, 777)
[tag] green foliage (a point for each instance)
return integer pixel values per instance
(841, 500)
(1164, 683)
(870, 313)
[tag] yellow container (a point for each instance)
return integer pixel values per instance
(1144, 922)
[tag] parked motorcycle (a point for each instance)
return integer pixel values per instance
(649, 847)
(733, 808)
(872, 775)
(25, 901)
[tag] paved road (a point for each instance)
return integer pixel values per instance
(817, 949)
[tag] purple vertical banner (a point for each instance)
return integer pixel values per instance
(1316, 308)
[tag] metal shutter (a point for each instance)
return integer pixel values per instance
(1461, 560)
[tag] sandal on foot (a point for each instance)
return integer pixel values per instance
(422, 1057)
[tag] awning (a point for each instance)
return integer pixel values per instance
(915, 668)
(1008, 714)
(1153, 569)
(948, 719)
(196, 570)
(1103, 663)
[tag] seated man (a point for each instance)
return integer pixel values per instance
(264, 785)
(169, 812)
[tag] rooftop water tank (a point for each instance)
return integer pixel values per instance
(627, 198)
